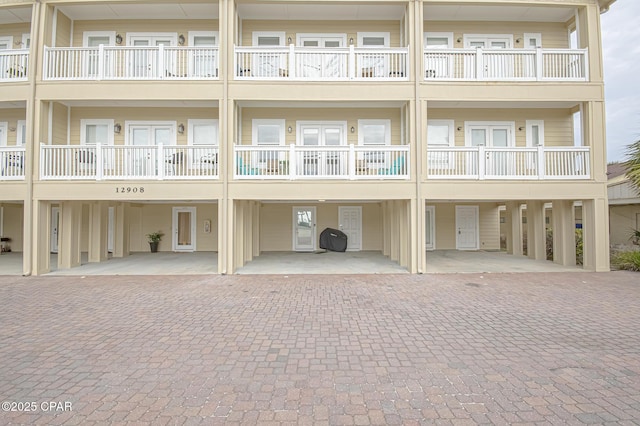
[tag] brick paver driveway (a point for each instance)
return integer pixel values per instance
(374, 349)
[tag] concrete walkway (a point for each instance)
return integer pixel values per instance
(454, 261)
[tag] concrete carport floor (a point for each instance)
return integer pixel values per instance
(455, 261)
(11, 263)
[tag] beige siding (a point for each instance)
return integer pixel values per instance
(276, 224)
(11, 117)
(623, 220)
(122, 115)
(15, 31)
(554, 35)
(350, 28)
(123, 27)
(13, 218)
(558, 123)
(63, 30)
(445, 224)
(291, 116)
(489, 227)
(59, 126)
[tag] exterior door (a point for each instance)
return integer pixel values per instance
(55, 223)
(6, 64)
(184, 229)
(142, 161)
(269, 64)
(145, 62)
(373, 64)
(467, 228)
(323, 163)
(204, 63)
(494, 66)
(430, 227)
(350, 220)
(304, 228)
(93, 60)
(325, 64)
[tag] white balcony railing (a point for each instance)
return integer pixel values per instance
(130, 63)
(14, 64)
(295, 162)
(108, 162)
(307, 63)
(12, 163)
(506, 64)
(480, 163)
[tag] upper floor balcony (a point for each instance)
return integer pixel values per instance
(12, 159)
(14, 64)
(15, 39)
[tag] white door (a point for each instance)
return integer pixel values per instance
(145, 62)
(496, 162)
(323, 162)
(269, 63)
(304, 228)
(94, 60)
(467, 228)
(110, 229)
(142, 161)
(55, 223)
(430, 227)
(438, 66)
(495, 66)
(327, 64)
(373, 64)
(203, 63)
(350, 220)
(184, 229)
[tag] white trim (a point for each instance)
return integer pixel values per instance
(256, 122)
(477, 227)
(202, 122)
(320, 36)
(21, 132)
(26, 37)
(50, 124)
(87, 34)
(448, 36)
(129, 124)
(358, 242)
(96, 122)
(362, 35)
(256, 34)
(193, 34)
(174, 229)
(449, 123)
(4, 127)
(2, 221)
(314, 220)
(529, 127)
(8, 40)
(432, 228)
(468, 125)
(68, 125)
(385, 122)
(54, 242)
(320, 124)
(528, 36)
(54, 27)
(153, 35)
(468, 38)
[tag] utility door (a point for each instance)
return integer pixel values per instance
(304, 228)
(350, 220)
(55, 223)
(467, 228)
(184, 229)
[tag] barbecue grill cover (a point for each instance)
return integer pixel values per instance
(333, 239)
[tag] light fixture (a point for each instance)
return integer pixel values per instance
(459, 129)
(351, 40)
(117, 128)
(12, 129)
(18, 43)
(520, 128)
(118, 39)
(353, 129)
(518, 41)
(289, 40)
(181, 128)
(459, 40)
(289, 129)
(181, 39)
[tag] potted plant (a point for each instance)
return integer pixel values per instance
(154, 238)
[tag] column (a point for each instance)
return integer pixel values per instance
(256, 229)
(121, 230)
(98, 225)
(41, 248)
(536, 234)
(595, 234)
(564, 236)
(513, 224)
(69, 234)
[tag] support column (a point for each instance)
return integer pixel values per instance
(386, 229)
(395, 229)
(238, 235)
(41, 252)
(98, 226)
(404, 233)
(256, 229)
(564, 236)
(513, 224)
(536, 234)
(595, 234)
(69, 234)
(121, 230)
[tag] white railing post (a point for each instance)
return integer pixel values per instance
(100, 73)
(539, 64)
(351, 162)
(292, 161)
(479, 64)
(352, 62)
(236, 69)
(292, 60)
(160, 160)
(482, 161)
(160, 61)
(541, 162)
(99, 163)
(585, 63)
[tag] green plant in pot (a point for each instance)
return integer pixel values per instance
(154, 239)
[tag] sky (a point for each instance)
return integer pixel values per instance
(621, 52)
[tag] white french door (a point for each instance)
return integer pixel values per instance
(142, 162)
(184, 229)
(322, 65)
(304, 228)
(145, 63)
(493, 66)
(430, 227)
(467, 228)
(373, 64)
(490, 135)
(203, 63)
(55, 223)
(269, 64)
(322, 163)
(350, 221)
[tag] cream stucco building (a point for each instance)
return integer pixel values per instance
(243, 127)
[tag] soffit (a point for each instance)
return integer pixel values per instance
(15, 15)
(320, 12)
(497, 13)
(103, 11)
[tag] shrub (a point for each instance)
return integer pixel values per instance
(627, 260)
(579, 247)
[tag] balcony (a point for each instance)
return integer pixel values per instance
(295, 162)
(321, 64)
(130, 63)
(12, 163)
(506, 64)
(484, 163)
(139, 162)
(13, 64)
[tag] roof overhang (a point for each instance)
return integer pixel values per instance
(605, 5)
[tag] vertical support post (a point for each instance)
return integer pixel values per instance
(41, 238)
(292, 161)
(539, 64)
(595, 234)
(541, 163)
(564, 236)
(121, 231)
(98, 221)
(69, 233)
(536, 233)
(351, 162)
(482, 161)
(100, 74)
(513, 222)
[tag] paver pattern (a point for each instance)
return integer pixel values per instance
(362, 349)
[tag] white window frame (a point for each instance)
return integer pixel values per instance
(387, 131)
(257, 122)
(468, 125)
(26, 40)
(129, 124)
(21, 132)
(529, 127)
(450, 124)
(96, 122)
(193, 34)
(443, 161)
(341, 124)
(87, 34)
(448, 36)
(257, 34)
(433, 228)
(468, 38)
(535, 36)
(201, 122)
(5, 127)
(385, 35)
(170, 35)
(341, 36)
(8, 40)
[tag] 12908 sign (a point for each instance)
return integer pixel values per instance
(129, 189)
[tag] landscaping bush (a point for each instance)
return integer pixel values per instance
(627, 260)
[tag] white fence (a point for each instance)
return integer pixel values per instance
(315, 162)
(542, 163)
(14, 64)
(12, 163)
(130, 63)
(108, 162)
(506, 64)
(307, 63)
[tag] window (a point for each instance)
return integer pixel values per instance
(21, 136)
(374, 132)
(264, 38)
(380, 39)
(535, 133)
(203, 63)
(438, 65)
(438, 40)
(491, 134)
(373, 65)
(267, 133)
(203, 132)
(95, 39)
(532, 40)
(440, 134)
(94, 131)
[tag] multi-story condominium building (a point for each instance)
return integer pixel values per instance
(244, 127)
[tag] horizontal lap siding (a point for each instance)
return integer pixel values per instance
(15, 31)
(445, 224)
(11, 117)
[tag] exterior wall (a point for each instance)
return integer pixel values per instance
(13, 214)
(276, 224)
(623, 220)
(445, 225)
(558, 123)
(59, 124)
(350, 115)
(351, 28)
(16, 31)
(63, 30)
(622, 192)
(11, 117)
(554, 35)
